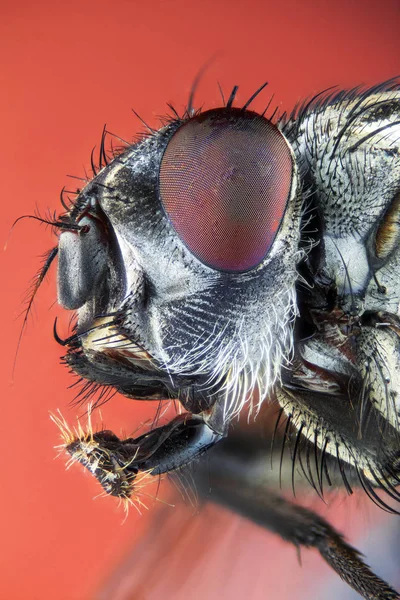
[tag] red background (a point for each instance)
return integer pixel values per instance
(66, 70)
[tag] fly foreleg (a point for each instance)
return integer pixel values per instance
(117, 463)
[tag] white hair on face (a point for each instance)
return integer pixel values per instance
(237, 365)
(251, 372)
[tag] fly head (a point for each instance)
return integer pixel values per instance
(182, 265)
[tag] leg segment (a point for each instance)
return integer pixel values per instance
(252, 498)
(116, 463)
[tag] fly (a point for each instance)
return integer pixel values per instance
(229, 259)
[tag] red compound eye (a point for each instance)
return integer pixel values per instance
(225, 179)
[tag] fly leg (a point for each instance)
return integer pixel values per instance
(172, 446)
(118, 463)
(249, 495)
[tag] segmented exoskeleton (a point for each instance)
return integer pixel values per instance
(228, 259)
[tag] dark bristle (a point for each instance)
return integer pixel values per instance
(343, 472)
(280, 413)
(322, 463)
(149, 129)
(303, 110)
(174, 111)
(284, 439)
(386, 486)
(372, 134)
(305, 468)
(232, 96)
(85, 179)
(94, 170)
(37, 281)
(52, 221)
(310, 471)
(296, 446)
(63, 203)
(221, 93)
(316, 461)
(369, 490)
(103, 161)
(254, 96)
(268, 105)
(190, 111)
(117, 137)
(352, 117)
(274, 114)
(58, 339)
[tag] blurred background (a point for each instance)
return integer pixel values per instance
(66, 70)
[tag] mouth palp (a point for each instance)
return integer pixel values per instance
(116, 344)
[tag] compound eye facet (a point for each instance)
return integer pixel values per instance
(224, 181)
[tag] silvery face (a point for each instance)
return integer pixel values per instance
(183, 273)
